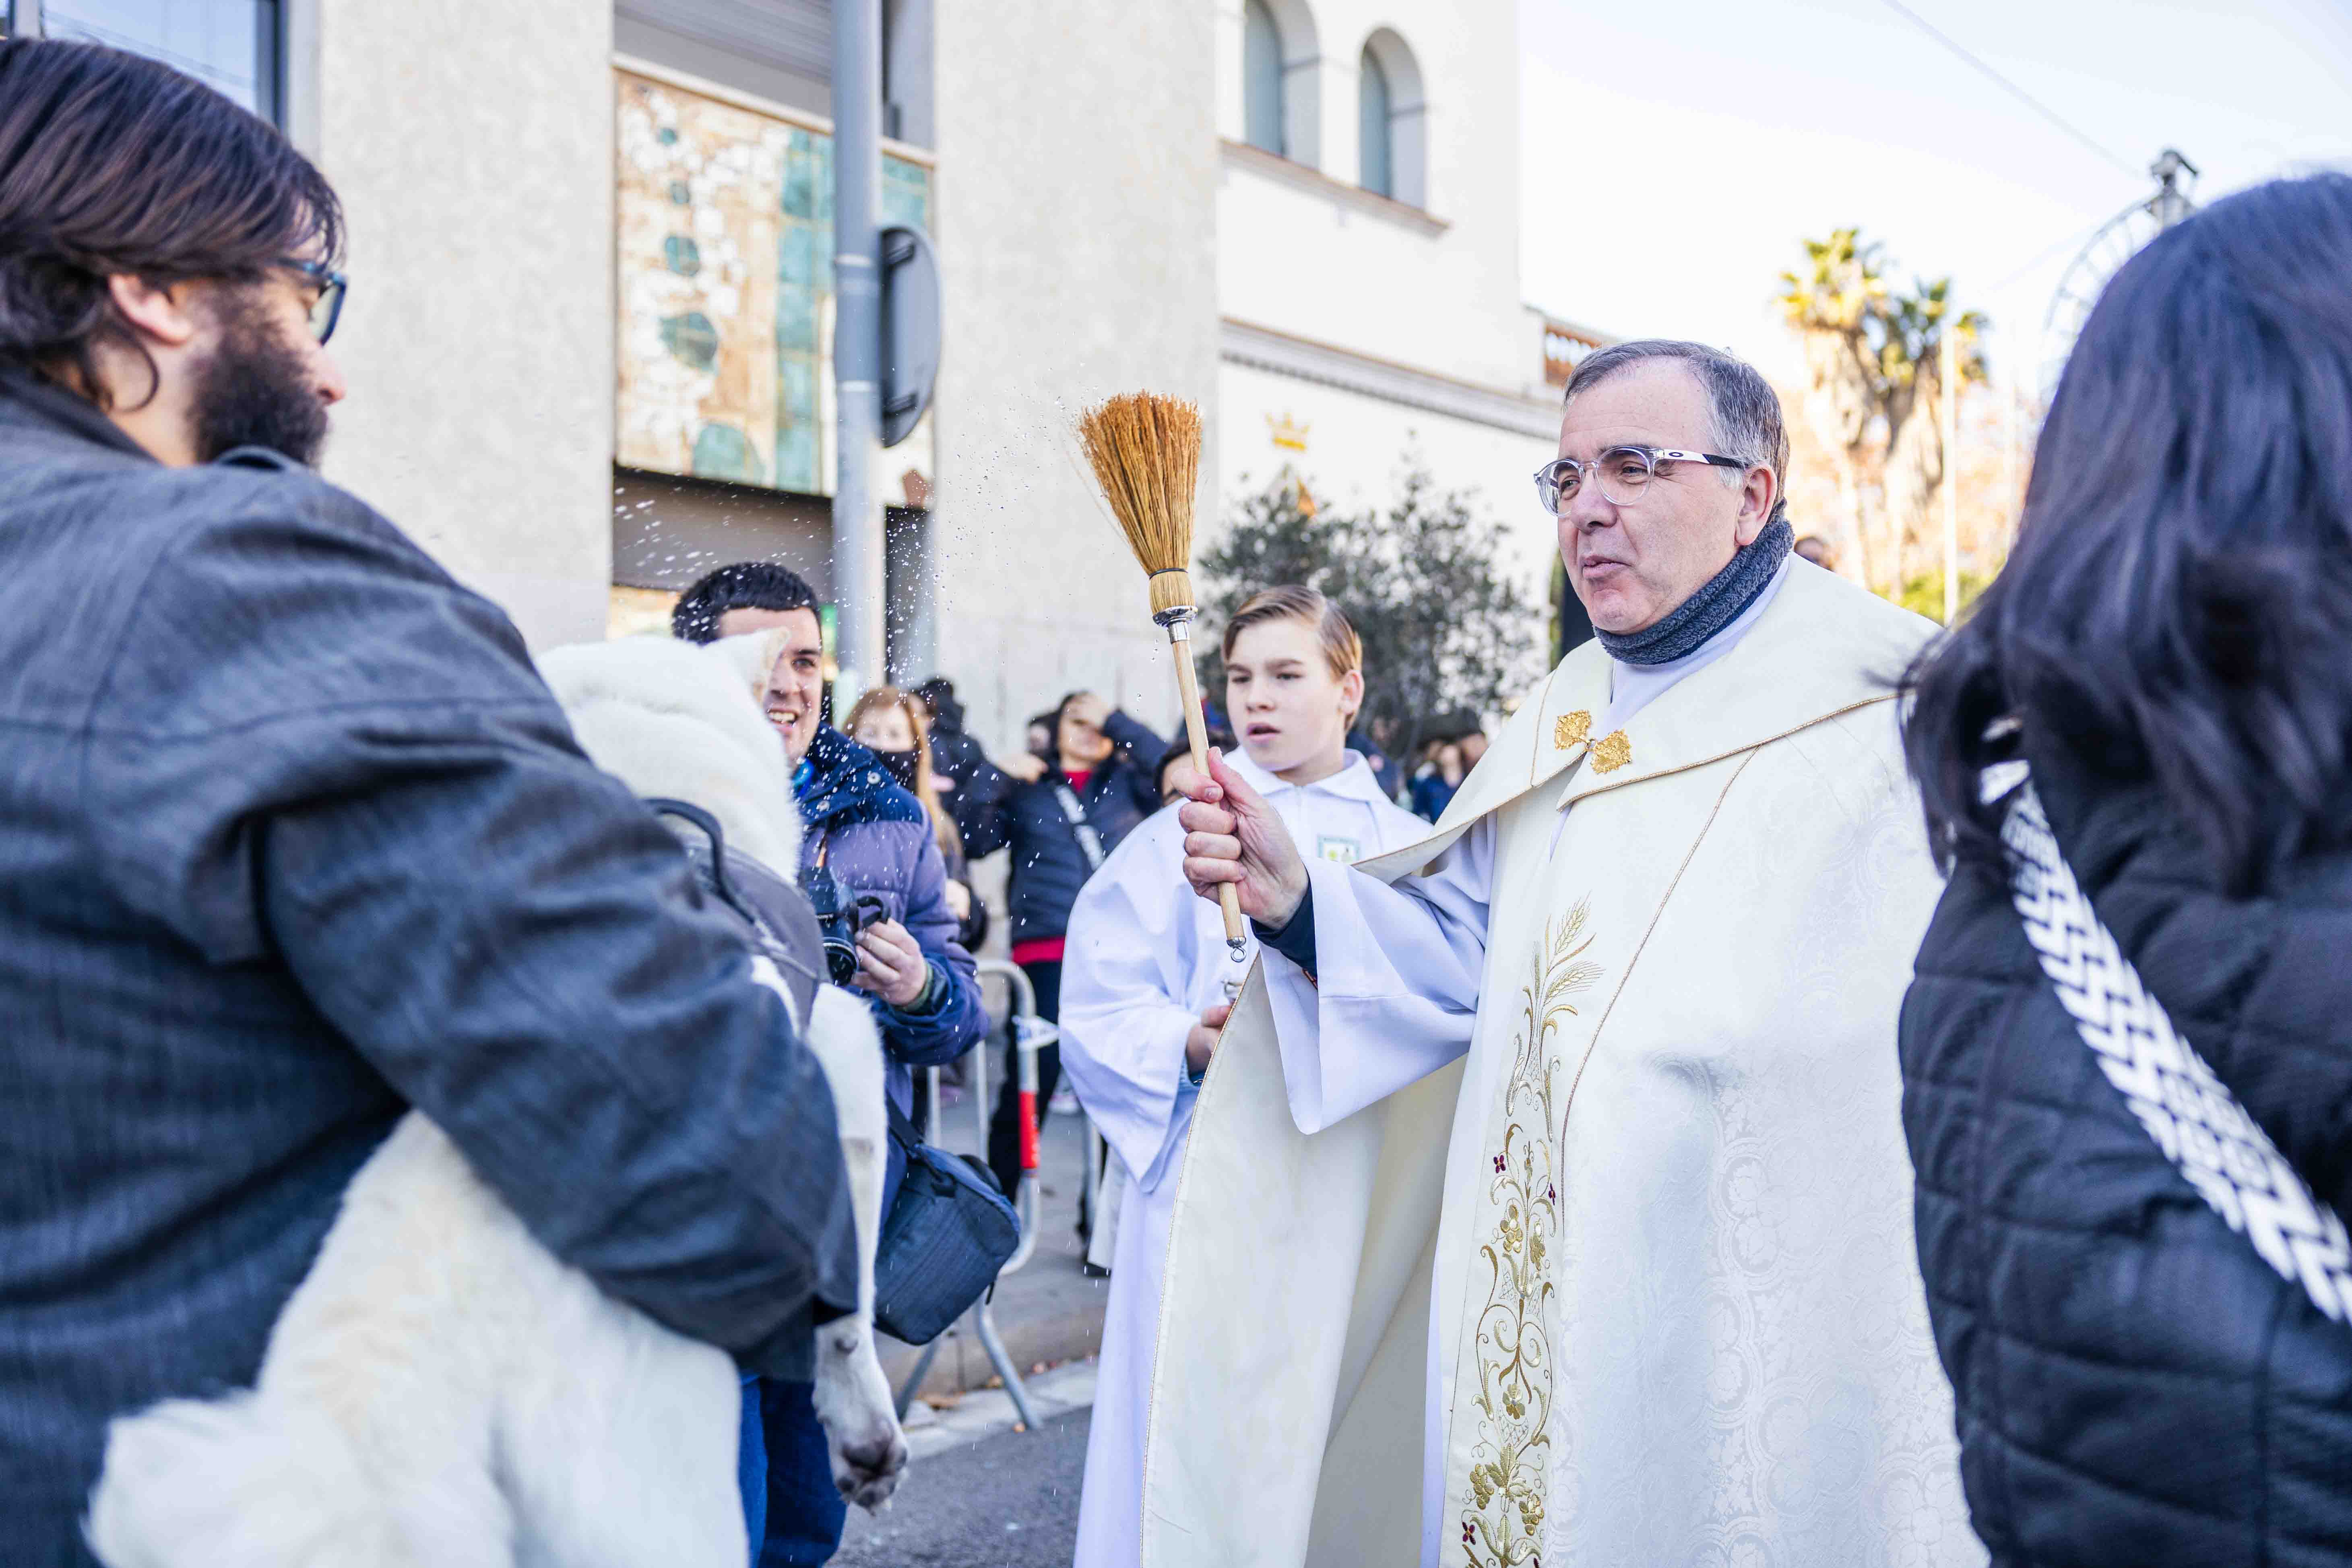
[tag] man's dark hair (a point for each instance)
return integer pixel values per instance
(745, 585)
(111, 164)
(2177, 609)
(939, 695)
(1746, 411)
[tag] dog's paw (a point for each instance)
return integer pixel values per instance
(867, 1475)
(861, 1426)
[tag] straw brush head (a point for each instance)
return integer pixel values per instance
(1145, 450)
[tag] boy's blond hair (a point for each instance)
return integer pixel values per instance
(1343, 650)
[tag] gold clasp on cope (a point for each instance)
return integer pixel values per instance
(1571, 728)
(1612, 752)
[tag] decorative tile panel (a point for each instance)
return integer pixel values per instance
(724, 274)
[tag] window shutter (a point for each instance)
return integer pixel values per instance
(1377, 168)
(1262, 78)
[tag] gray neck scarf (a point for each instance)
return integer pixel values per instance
(1717, 604)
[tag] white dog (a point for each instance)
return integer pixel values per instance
(441, 1392)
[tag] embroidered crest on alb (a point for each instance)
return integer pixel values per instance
(2222, 1152)
(1342, 850)
(1571, 728)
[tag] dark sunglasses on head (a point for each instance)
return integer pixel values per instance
(328, 308)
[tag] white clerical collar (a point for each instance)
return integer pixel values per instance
(1633, 687)
(1354, 781)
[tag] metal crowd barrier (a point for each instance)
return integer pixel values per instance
(1030, 1034)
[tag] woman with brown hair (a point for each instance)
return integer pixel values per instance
(896, 727)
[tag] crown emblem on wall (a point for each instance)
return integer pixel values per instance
(1288, 433)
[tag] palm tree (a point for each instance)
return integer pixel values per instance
(1911, 347)
(1832, 305)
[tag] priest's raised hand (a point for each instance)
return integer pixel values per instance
(1232, 835)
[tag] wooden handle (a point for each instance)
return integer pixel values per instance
(1188, 685)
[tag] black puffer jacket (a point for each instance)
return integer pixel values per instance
(2134, 1386)
(972, 786)
(1049, 866)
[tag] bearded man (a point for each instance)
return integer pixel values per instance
(293, 838)
(1546, 1199)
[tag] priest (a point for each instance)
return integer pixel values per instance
(1546, 1200)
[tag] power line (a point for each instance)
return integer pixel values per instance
(2007, 86)
(2069, 242)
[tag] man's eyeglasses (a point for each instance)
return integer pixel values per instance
(1622, 472)
(328, 308)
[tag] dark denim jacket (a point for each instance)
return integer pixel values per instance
(292, 838)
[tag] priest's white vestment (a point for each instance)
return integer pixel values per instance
(1145, 958)
(1632, 1281)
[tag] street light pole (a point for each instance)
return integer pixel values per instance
(857, 549)
(1949, 376)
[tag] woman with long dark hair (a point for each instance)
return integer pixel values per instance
(1060, 815)
(2154, 703)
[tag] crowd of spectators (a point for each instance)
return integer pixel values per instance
(902, 760)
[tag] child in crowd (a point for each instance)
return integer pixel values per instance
(1143, 988)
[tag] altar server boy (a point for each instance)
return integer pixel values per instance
(1143, 989)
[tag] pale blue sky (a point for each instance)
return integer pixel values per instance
(1673, 151)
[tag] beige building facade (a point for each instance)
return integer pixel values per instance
(1367, 215)
(590, 326)
(477, 182)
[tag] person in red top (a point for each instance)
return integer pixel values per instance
(1060, 815)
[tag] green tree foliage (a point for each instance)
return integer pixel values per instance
(1924, 594)
(1443, 629)
(1911, 393)
(1831, 304)
(1874, 395)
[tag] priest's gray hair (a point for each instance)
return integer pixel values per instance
(1746, 411)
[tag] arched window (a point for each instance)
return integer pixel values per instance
(1392, 120)
(1261, 105)
(1378, 164)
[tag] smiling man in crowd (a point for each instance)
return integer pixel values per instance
(874, 840)
(1599, 1250)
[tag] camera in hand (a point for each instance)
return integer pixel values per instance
(839, 919)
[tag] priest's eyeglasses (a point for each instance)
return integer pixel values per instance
(1622, 472)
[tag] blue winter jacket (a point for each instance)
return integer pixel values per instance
(292, 838)
(877, 840)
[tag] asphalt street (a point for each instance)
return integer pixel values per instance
(1009, 1500)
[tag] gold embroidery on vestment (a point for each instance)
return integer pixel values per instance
(1612, 752)
(1510, 1475)
(1571, 728)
